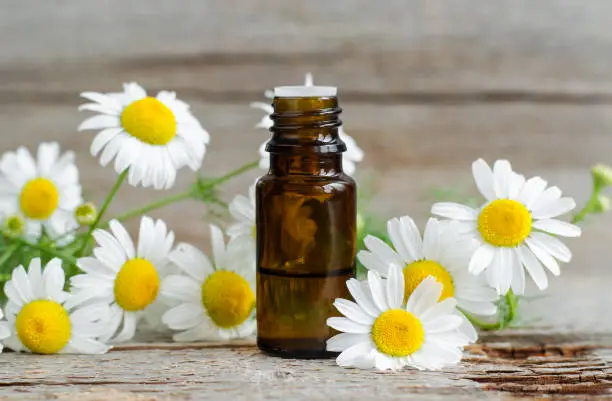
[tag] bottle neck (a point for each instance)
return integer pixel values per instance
(326, 165)
(305, 138)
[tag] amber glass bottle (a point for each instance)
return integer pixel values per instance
(306, 225)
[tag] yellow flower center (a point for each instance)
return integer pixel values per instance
(39, 198)
(136, 285)
(228, 298)
(418, 271)
(149, 120)
(504, 222)
(397, 332)
(43, 326)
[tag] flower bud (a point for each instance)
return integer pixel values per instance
(86, 213)
(602, 175)
(602, 204)
(13, 226)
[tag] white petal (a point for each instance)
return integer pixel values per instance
(548, 261)
(204, 331)
(342, 341)
(54, 279)
(554, 209)
(373, 262)
(431, 240)
(347, 326)
(383, 251)
(110, 245)
(146, 237)
(533, 267)
(354, 353)
(181, 288)
(100, 121)
(218, 246)
(123, 238)
(547, 197)
(192, 261)
(481, 259)
(35, 278)
(405, 237)
(557, 227)
(129, 327)
(442, 324)
(518, 275)
(362, 297)
(531, 191)
(424, 296)
(502, 171)
(553, 246)
(105, 100)
(484, 179)
(454, 211)
(353, 311)
(83, 345)
(378, 290)
(443, 308)
(183, 316)
(395, 288)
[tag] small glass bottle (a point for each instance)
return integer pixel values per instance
(306, 225)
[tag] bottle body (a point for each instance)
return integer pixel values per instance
(306, 240)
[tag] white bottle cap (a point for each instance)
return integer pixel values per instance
(305, 91)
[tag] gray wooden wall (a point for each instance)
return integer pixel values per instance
(427, 87)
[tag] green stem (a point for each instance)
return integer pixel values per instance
(10, 251)
(588, 207)
(105, 205)
(505, 321)
(50, 251)
(185, 195)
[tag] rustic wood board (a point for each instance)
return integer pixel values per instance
(514, 364)
(427, 87)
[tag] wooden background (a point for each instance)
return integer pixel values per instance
(427, 87)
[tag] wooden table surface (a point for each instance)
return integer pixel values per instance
(427, 87)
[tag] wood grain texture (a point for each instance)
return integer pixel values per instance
(513, 363)
(427, 87)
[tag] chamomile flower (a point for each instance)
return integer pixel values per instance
(242, 232)
(217, 300)
(515, 228)
(350, 158)
(44, 319)
(380, 330)
(41, 193)
(153, 137)
(443, 253)
(125, 276)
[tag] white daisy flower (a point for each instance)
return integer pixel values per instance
(125, 276)
(153, 137)
(443, 253)
(515, 227)
(380, 331)
(216, 301)
(242, 232)
(44, 319)
(39, 193)
(350, 158)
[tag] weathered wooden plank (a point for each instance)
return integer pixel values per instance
(476, 47)
(525, 364)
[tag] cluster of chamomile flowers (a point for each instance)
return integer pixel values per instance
(421, 292)
(123, 282)
(414, 308)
